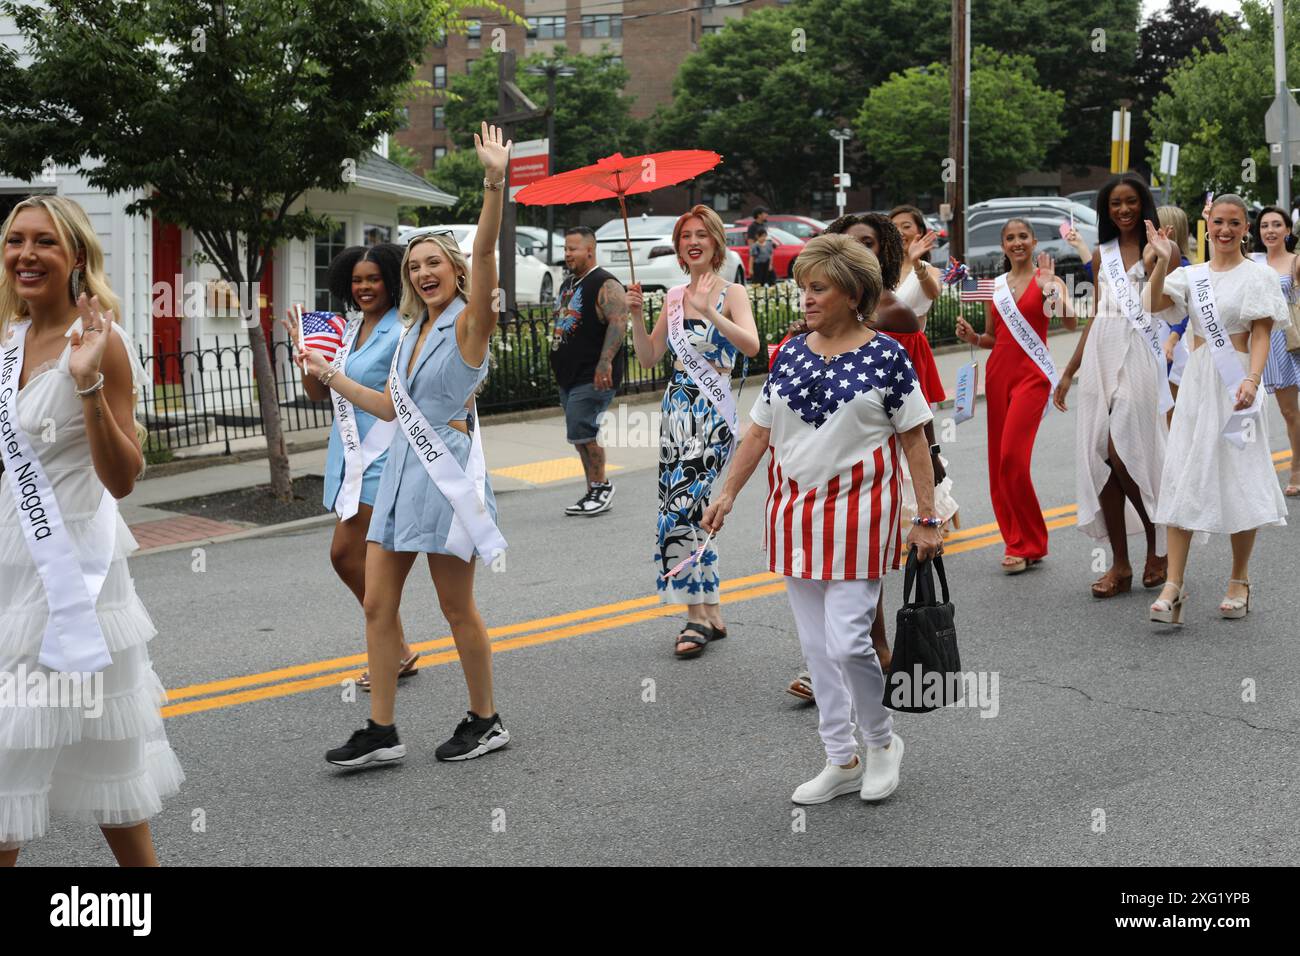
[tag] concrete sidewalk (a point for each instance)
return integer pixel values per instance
(521, 454)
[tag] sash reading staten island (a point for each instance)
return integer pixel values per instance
(421, 441)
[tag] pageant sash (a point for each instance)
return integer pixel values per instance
(459, 541)
(357, 455)
(1223, 352)
(1130, 303)
(456, 486)
(73, 641)
(1025, 335)
(714, 385)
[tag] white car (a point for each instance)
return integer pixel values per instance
(532, 239)
(535, 281)
(652, 253)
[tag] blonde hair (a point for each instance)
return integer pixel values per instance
(412, 306)
(712, 225)
(846, 264)
(1174, 216)
(77, 238)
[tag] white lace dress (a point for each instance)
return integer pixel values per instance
(1209, 484)
(111, 768)
(1119, 399)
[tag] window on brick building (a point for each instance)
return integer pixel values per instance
(473, 34)
(438, 153)
(440, 117)
(602, 25)
(469, 65)
(439, 76)
(546, 28)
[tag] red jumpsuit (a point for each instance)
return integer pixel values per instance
(1015, 393)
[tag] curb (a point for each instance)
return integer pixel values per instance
(263, 531)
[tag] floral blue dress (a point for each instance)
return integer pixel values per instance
(695, 444)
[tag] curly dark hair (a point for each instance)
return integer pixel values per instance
(1258, 243)
(889, 243)
(386, 255)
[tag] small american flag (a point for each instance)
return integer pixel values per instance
(323, 332)
(977, 290)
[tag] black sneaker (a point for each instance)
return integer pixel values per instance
(370, 744)
(474, 736)
(594, 501)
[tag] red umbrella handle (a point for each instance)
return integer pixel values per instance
(627, 237)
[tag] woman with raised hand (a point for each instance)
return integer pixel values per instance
(1218, 475)
(840, 408)
(919, 282)
(1282, 373)
(69, 614)
(433, 497)
(1173, 225)
(369, 280)
(1021, 376)
(705, 323)
(1124, 394)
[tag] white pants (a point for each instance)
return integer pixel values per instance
(834, 623)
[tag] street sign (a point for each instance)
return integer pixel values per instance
(1275, 153)
(1273, 119)
(842, 180)
(529, 162)
(1169, 159)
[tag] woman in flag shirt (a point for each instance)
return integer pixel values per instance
(840, 408)
(1017, 391)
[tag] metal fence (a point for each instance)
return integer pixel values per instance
(208, 396)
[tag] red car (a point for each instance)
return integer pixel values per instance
(787, 249)
(801, 227)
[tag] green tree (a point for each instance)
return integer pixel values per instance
(225, 114)
(1214, 109)
(460, 174)
(1014, 125)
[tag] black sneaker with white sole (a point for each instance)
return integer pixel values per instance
(474, 736)
(371, 744)
(595, 501)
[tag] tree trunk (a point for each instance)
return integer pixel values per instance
(276, 452)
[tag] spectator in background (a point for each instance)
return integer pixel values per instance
(761, 248)
(760, 222)
(589, 355)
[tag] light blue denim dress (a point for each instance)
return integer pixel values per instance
(411, 514)
(369, 366)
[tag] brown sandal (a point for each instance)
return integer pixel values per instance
(1109, 585)
(696, 634)
(405, 669)
(1156, 571)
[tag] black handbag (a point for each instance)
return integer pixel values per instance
(925, 672)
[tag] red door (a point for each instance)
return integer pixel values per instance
(166, 323)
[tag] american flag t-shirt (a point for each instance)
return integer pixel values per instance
(834, 479)
(323, 332)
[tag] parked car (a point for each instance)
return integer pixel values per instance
(984, 248)
(783, 256)
(802, 227)
(1006, 207)
(652, 253)
(535, 281)
(532, 239)
(1086, 197)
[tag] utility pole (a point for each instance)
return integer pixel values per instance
(957, 191)
(550, 69)
(513, 107)
(1279, 71)
(841, 135)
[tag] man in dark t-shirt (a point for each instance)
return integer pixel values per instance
(589, 356)
(759, 222)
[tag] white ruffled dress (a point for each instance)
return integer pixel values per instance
(114, 767)
(1210, 485)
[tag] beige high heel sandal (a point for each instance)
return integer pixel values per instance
(1170, 612)
(1235, 608)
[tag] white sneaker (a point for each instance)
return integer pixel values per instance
(832, 782)
(881, 776)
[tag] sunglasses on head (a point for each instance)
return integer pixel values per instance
(428, 234)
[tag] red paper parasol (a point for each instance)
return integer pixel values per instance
(618, 176)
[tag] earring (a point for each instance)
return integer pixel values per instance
(460, 284)
(74, 284)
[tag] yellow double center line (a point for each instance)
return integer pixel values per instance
(301, 678)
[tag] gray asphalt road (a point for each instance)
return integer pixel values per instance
(1099, 712)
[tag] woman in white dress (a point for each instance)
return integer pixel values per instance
(1121, 429)
(1214, 482)
(1282, 373)
(67, 385)
(920, 284)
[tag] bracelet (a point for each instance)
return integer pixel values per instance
(87, 392)
(1256, 377)
(932, 522)
(328, 376)
(496, 186)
